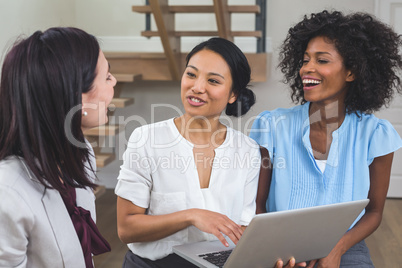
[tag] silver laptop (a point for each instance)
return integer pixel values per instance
(305, 234)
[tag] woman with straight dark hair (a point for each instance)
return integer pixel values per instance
(191, 178)
(162, 206)
(54, 85)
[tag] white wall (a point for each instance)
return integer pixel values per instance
(26, 16)
(112, 20)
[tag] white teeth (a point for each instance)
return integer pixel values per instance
(311, 81)
(195, 100)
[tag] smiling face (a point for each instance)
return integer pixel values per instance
(323, 73)
(96, 101)
(206, 85)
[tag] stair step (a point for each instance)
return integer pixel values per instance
(104, 159)
(201, 9)
(155, 69)
(257, 34)
(134, 55)
(122, 102)
(127, 78)
(106, 130)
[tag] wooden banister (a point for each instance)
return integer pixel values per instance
(171, 44)
(171, 65)
(223, 19)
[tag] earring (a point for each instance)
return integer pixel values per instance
(85, 113)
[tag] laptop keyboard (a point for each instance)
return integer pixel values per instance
(217, 258)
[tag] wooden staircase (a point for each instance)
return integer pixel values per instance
(170, 64)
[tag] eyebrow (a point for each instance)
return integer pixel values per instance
(318, 53)
(211, 73)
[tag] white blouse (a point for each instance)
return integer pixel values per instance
(159, 173)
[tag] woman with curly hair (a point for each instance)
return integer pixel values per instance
(331, 148)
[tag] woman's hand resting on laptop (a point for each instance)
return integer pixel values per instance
(291, 264)
(216, 224)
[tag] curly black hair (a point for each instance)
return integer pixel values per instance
(369, 48)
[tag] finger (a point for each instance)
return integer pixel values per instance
(232, 231)
(227, 226)
(229, 233)
(301, 264)
(291, 263)
(236, 228)
(221, 238)
(311, 264)
(279, 264)
(237, 231)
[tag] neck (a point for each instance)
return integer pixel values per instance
(201, 131)
(327, 115)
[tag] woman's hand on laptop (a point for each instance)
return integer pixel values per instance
(216, 224)
(291, 264)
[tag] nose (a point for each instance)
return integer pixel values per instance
(199, 86)
(307, 67)
(114, 80)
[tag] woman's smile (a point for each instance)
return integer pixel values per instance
(194, 101)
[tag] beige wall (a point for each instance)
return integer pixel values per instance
(114, 18)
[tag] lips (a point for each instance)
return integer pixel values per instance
(310, 82)
(194, 101)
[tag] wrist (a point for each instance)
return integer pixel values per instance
(189, 216)
(340, 248)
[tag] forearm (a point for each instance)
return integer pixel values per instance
(145, 228)
(380, 170)
(264, 181)
(363, 228)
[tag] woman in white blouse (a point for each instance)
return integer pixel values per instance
(191, 178)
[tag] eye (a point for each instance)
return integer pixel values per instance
(109, 77)
(323, 61)
(213, 81)
(305, 61)
(190, 74)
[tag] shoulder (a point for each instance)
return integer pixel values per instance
(155, 128)
(12, 172)
(269, 116)
(377, 132)
(281, 118)
(378, 135)
(241, 141)
(165, 124)
(159, 133)
(17, 183)
(370, 123)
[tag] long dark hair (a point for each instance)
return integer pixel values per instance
(239, 69)
(43, 77)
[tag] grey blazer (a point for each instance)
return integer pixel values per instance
(35, 227)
